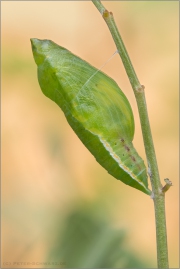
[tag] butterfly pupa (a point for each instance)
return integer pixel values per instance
(96, 109)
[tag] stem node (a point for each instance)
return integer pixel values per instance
(140, 89)
(105, 14)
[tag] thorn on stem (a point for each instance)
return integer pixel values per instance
(167, 186)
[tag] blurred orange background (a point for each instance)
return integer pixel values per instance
(45, 167)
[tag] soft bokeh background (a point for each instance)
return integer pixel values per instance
(49, 179)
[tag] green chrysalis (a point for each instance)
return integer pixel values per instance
(96, 109)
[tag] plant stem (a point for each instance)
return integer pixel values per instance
(157, 194)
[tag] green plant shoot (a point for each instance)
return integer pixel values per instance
(96, 109)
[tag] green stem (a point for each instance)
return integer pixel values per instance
(157, 194)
